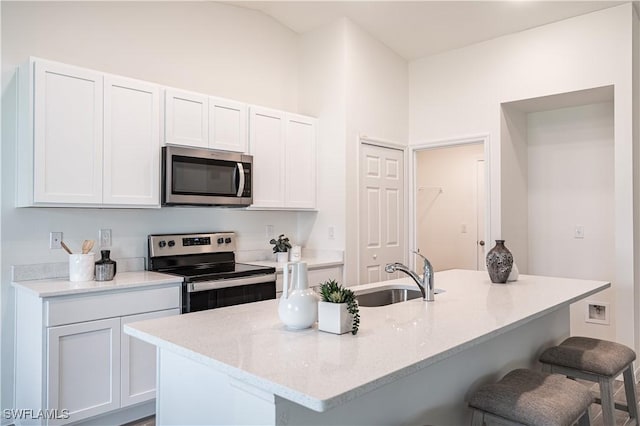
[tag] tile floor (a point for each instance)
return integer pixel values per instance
(622, 418)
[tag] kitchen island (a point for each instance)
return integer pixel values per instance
(411, 363)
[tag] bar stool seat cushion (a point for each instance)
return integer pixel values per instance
(593, 355)
(534, 398)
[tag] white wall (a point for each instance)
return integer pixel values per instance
(458, 94)
(570, 183)
(200, 46)
(446, 181)
(323, 95)
(356, 86)
(377, 93)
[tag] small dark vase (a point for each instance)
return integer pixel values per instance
(105, 267)
(499, 262)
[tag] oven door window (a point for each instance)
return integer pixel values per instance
(203, 176)
(219, 298)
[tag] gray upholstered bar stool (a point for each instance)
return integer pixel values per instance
(528, 397)
(598, 361)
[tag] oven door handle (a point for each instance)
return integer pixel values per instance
(240, 171)
(230, 282)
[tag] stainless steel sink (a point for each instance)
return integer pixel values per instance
(388, 296)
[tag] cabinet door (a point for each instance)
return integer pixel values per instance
(266, 144)
(300, 148)
(186, 118)
(227, 125)
(138, 362)
(131, 142)
(83, 368)
(67, 134)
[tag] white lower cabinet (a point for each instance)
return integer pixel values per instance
(138, 362)
(74, 359)
(83, 365)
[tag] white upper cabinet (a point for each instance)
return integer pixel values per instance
(300, 152)
(227, 125)
(199, 120)
(131, 142)
(186, 118)
(67, 134)
(283, 146)
(86, 138)
(266, 144)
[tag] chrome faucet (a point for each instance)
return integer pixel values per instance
(425, 285)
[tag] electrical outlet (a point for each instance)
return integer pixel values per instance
(579, 232)
(54, 240)
(105, 238)
(332, 233)
(268, 229)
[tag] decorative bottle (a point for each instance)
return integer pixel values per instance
(105, 267)
(499, 262)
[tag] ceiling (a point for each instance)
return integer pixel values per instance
(414, 29)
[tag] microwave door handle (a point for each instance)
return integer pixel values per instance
(240, 171)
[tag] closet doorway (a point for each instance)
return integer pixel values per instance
(450, 204)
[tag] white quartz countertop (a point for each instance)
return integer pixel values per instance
(124, 280)
(312, 263)
(320, 370)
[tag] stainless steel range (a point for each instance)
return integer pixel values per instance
(212, 278)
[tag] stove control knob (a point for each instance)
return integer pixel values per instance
(162, 243)
(227, 240)
(172, 243)
(220, 240)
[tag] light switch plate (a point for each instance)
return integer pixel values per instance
(54, 240)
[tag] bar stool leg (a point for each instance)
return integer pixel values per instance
(608, 404)
(585, 419)
(478, 418)
(630, 392)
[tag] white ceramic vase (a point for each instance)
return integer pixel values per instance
(334, 318)
(298, 306)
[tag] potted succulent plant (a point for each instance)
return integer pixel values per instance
(280, 248)
(338, 310)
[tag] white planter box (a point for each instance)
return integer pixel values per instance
(334, 318)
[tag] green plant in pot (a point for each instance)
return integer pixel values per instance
(338, 310)
(281, 247)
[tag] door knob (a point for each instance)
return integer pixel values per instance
(481, 242)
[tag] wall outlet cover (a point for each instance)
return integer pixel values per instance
(597, 313)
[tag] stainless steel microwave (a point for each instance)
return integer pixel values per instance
(205, 177)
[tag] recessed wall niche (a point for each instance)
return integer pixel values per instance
(557, 190)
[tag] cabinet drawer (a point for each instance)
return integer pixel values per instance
(71, 309)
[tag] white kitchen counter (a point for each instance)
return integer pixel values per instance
(312, 263)
(321, 371)
(124, 280)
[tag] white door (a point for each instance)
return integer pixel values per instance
(480, 213)
(67, 134)
(83, 368)
(300, 148)
(266, 144)
(227, 125)
(381, 211)
(186, 118)
(138, 362)
(131, 142)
